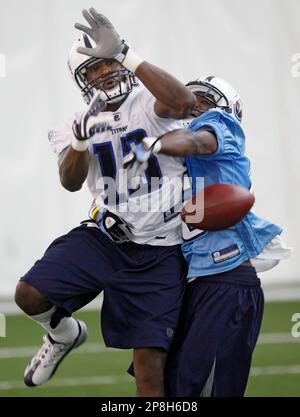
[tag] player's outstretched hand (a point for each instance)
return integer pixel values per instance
(91, 121)
(107, 39)
(136, 162)
(138, 154)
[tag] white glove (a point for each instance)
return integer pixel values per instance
(90, 123)
(136, 162)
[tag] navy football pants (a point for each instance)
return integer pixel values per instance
(143, 285)
(217, 332)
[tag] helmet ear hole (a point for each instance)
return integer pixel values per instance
(238, 110)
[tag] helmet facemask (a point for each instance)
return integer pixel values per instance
(210, 93)
(230, 101)
(125, 81)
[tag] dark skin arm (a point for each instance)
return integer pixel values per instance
(173, 99)
(74, 168)
(183, 143)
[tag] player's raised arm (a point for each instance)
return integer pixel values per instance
(173, 98)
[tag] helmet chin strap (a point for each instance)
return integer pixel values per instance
(115, 100)
(196, 112)
(110, 95)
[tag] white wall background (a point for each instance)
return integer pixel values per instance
(252, 44)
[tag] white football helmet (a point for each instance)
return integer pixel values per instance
(80, 64)
(220, 93)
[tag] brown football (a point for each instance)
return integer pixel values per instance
(217, 207)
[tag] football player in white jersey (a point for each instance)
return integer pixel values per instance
(128, 250)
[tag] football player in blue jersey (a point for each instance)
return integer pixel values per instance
(223, 304)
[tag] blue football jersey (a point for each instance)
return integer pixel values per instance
(209, 253)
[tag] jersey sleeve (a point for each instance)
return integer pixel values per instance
(214, 126)
(60, 137)
(229, 135)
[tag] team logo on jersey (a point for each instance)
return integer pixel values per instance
(117, 117)
(119, 130)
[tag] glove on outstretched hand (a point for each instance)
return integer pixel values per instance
(108, 42)
(107, 39)
(90, 121)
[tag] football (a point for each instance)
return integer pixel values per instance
(217, 207)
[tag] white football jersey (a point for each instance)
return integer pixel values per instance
(153, 215)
